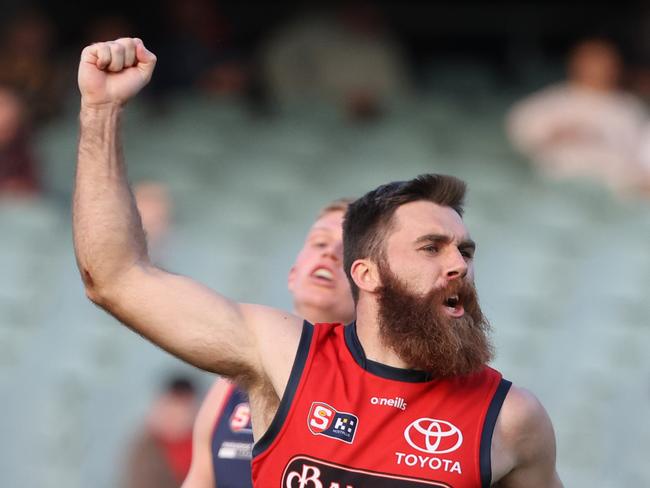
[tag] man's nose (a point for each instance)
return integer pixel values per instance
(457, 266)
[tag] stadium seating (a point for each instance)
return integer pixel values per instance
(563, 271)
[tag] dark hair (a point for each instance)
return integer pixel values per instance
(369, 218)
(180, 385)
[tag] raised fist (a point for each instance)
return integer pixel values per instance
(113, 72)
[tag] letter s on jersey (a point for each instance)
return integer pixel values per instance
(320, 417)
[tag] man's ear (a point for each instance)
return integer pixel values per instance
(365, 275)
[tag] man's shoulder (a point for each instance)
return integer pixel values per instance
(522, 417)
(523, 447)
(524, 428)
(275, 331)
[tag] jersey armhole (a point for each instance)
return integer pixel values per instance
(485, 452)
(289, 392)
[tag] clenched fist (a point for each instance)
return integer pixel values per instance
(113, 72)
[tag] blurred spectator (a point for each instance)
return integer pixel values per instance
(198, 50)
(585, 126)
(154, 204)
(347, 58)
(160, 455)
(639, 80)
(27, 62)
(18, 175)
(109, 26)
(639, 74)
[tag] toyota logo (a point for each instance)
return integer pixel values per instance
(433, 436)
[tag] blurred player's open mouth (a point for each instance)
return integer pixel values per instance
(323, 276)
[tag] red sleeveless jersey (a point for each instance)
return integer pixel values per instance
(349, 422)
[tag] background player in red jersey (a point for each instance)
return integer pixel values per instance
(422, 244)
(321, 293)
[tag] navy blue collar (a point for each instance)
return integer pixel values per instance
(379, 369)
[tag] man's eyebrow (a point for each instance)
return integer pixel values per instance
(438, 238)
(446, 239)
(318, 232)
(318, 229)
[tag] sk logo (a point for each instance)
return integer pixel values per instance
(325, 420)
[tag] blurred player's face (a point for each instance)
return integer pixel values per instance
(320, 288)
(428, 311)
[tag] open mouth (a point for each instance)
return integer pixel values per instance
(453, 306)
(323, 275)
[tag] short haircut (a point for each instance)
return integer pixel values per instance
(338, 205)
(368, 219)
(180, 385)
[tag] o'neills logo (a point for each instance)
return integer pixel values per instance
(397, 402)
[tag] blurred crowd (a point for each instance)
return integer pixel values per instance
(587, 125)
(347, 56)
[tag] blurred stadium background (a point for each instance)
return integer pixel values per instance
(563, 267)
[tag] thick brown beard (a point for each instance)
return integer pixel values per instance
(424, 337)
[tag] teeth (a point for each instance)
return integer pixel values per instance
(323, 273)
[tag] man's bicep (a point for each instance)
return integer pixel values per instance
(185, 318)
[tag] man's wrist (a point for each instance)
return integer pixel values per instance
(103, 113)
(100, 121)
(100, 108)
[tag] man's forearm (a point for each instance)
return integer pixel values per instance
(108, 233)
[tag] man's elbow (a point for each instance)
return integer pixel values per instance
(95, 292)
(103, 292)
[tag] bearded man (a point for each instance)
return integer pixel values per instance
(402, 397)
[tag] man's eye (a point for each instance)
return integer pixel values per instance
(320, 244)
(468, 253)
(431, 249)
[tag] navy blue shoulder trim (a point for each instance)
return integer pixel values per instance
(488, 430)
(289, 392)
